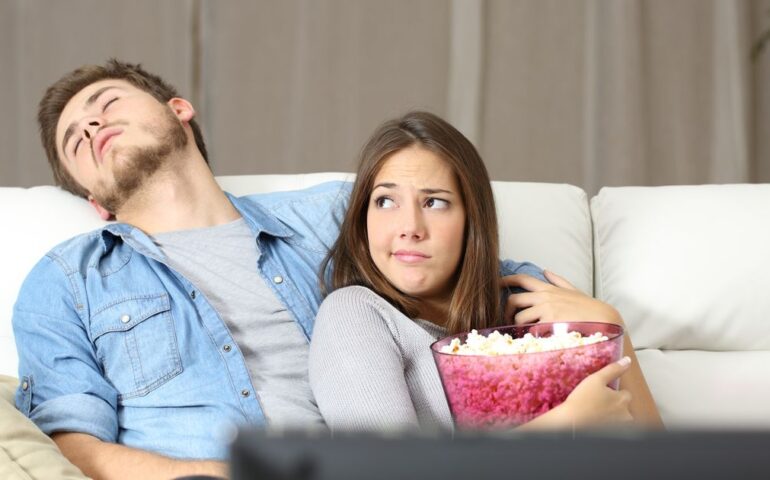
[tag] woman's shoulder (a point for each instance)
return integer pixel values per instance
(359, 312)
(353, 294)
(355, 301)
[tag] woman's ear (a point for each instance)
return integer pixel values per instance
(103, 213)
(183, 109)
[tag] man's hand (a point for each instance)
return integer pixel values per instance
(101, 460)
(558, 301)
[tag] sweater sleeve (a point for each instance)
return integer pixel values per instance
(356, 364)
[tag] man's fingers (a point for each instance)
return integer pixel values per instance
(558, 280)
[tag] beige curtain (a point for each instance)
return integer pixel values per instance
(760, 127)
(588, 92)
(297, 86)
(610, 92)
(42, 39)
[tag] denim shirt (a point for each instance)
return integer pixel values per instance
(115, 344)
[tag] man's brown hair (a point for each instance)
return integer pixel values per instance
(58, 94)
(476, 299)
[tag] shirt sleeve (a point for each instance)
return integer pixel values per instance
(62, 387)
(511, 267)
(356, 367)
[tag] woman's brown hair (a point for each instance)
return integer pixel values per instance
(476, 299)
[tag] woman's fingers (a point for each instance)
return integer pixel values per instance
(612, 371)
(558, 280)
(528, 315)
(527, 282)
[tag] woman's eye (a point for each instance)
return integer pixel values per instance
(384, 202)
(436, 203)
(108, 104)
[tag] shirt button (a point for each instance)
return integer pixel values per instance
(24, 386)
(192, 294)
(125, 318)
(245, 393)
(227, 348)
(278, 279)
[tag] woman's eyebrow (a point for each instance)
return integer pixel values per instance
(428, 191)
(436, 190)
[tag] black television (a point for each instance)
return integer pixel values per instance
(598, 455)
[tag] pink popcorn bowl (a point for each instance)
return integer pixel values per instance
(503, 391)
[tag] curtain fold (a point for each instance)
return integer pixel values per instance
(661, 92)
(587, 92)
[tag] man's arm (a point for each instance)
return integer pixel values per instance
(64, 388)
(102, 460)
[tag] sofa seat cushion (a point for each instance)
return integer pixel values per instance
(27, 453)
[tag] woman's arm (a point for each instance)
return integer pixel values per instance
(356, 367)
(560, 301)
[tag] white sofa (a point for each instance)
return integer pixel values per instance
(688, 267)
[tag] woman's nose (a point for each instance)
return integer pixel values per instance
(412, 224)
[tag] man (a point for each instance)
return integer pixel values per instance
(144, 343)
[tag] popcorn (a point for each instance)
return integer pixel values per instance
(504, 344)
(498, 381)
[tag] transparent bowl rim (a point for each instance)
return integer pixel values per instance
(611, 337)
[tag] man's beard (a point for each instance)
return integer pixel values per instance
(138, 164)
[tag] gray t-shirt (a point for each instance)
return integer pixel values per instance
(371, 367)
(222, 262)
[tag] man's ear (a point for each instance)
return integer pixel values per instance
(183, 109)
(103, 213)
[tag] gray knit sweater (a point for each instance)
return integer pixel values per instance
(371, 367)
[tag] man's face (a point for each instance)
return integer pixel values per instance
(112, 136)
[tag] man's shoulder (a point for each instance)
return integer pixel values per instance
(512, 267)
(52, 276)
(71, 252)
(333, 192)
(317, 211)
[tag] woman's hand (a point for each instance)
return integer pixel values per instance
(592, 403)
(558, 301)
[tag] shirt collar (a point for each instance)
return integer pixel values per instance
(257, 218)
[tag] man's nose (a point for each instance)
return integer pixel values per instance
(91, 127)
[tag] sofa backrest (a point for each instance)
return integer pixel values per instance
(688, 267)
(548, 224)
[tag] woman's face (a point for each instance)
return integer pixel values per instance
(416, 223)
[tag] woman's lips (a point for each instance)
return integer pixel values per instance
(410, 256)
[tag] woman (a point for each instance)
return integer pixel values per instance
(416, 260)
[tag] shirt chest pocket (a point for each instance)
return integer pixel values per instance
(135, 342)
